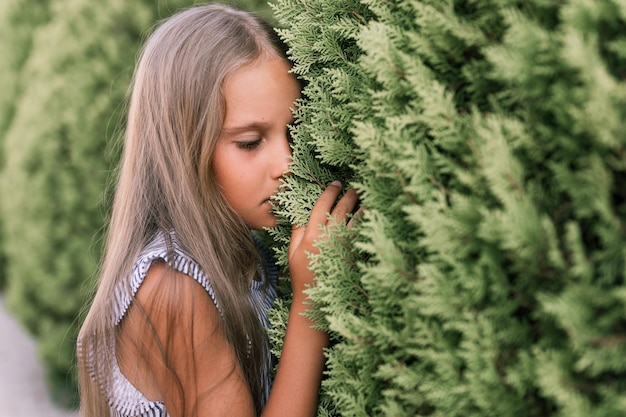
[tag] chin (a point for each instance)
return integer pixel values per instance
(260, 224)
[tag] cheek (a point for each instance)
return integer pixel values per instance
(231, 180)
(220, 166)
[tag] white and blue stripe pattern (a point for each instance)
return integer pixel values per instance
(125, 400)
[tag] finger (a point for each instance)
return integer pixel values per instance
(345, 205)
(324, 204)
(297, 233)
(356, 217)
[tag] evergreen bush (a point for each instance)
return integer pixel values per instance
(70, 89)
(487, 139)
(17, 25)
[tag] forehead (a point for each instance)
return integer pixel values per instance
(255, 93)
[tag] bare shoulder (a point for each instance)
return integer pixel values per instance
(172, 343)
(169, 310)
(168, 298)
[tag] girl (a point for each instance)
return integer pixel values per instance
(177, 324)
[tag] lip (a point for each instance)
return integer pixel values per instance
(271, 200)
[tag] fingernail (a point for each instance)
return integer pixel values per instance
(336, 183)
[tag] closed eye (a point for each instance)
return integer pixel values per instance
(249, 145)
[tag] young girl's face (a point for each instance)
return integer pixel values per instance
(253, 151)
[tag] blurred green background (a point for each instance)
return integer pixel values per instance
(65, 67)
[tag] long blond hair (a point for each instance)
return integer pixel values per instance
(165, 182)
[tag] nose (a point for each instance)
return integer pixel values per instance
(281, 158)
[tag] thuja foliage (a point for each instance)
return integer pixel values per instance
(487, 140)
(66, 68)
(16, 29)
(71, 81)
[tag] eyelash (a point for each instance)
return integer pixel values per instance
(253, 144)
(249, 145)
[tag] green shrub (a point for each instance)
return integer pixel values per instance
(72, 85)
(17, 25)
(487, 139)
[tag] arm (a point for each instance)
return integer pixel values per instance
(295, 389)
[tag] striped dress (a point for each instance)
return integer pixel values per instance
(125, 400)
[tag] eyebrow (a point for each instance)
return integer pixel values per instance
(254, 126)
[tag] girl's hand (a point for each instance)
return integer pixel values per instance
(303, 238)
(296, 386)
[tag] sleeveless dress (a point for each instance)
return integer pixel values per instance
(126, 400)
